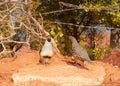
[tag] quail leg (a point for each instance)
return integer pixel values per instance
(41, 60)
(79, 62)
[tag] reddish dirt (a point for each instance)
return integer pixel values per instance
(113, 58)
(27, 57)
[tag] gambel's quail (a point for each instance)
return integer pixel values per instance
(78, 51)
(46, 52)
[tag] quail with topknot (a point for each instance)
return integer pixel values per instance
(46, 52)
(79, 52)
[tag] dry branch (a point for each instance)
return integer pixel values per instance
(28, 23)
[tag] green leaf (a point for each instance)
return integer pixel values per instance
(61, 34)
(59, 29)
(62, 39)
(52, 29)
(56, 40)
(52, 33)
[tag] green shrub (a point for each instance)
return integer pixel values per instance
(35, 43)
(99, 52)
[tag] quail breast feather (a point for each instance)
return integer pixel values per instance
(47, 49)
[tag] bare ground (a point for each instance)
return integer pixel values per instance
(27, 58)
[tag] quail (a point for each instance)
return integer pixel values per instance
(19, 36)
(46, 52)
(79, 52)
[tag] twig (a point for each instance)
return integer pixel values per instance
(41, 19)
(15, 2)
(81, 26)
(33, 32)
(4, 48)
(68, 5)
(37, 24)
(85, 8)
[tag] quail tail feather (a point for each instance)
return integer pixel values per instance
(90, 61)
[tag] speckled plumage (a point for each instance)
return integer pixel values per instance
(78, 51)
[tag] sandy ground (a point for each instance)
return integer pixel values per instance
(28, 58)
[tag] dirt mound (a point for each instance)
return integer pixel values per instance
(113, 58)
(27, 60)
